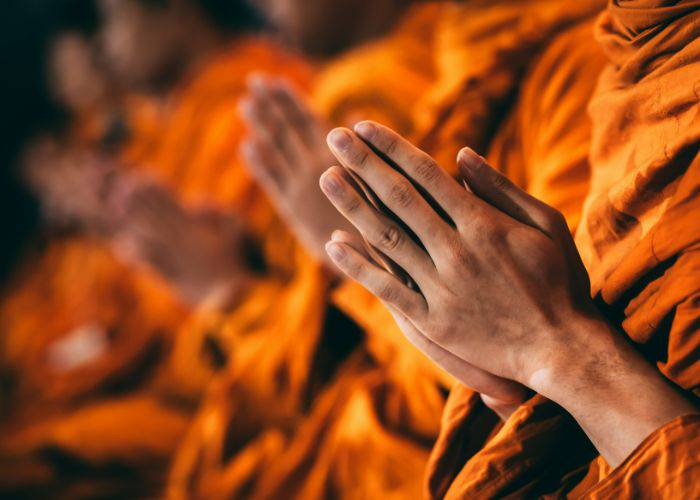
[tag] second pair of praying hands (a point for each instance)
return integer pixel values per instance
(497, 296)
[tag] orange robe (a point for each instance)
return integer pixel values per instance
(83, 336)
(638, 238)
(191, 146)
(390, 406)
(291, 359)
(462, 104)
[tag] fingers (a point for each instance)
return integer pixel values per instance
(300, 117)
(497, 190)
(270, 122)
(394, 190)
(266, 164)
(503, 390)
(468, 374)
(352, 239)
(379, 282)
(379, 231)
(374, 255)
(417, 165)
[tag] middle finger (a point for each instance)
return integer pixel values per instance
(379, 231)
(394, 190)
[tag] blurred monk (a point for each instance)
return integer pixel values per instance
(147, 48)
(634, 424)
(394, 408)
(110, 366)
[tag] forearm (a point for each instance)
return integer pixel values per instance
(616, 396)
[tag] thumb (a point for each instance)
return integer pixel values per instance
(496, 189)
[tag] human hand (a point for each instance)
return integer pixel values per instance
(286, 152)
(501, 286)
(496, 282)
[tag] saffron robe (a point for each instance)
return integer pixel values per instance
(637, 238)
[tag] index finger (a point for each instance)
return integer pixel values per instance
(417, 165)
(407, 206)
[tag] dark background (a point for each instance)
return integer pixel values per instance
(26, 26)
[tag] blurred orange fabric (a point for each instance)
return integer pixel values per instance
(128, 323)
(305, 387)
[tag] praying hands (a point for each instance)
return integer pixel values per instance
(502, 297)
(286, 152)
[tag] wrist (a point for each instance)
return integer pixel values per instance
(604, 383)
(576, 356)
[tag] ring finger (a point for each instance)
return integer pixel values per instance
(379, 231)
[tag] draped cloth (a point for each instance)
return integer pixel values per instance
(82, 336)
(292, 374)
(638, 238)
(387, 397)
(116, 414)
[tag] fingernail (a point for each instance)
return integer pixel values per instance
(339, 138)
(336, 235)
(335, 251)
(365, 129)
(468, 158)
(330, 184)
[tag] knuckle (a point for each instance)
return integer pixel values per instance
(466, 212)
(351, 204)
(354, 269)
(389, 238)
(500, 182)
(554, 221)
(426, 169)
(390, 146)
(388, 292)
(479, 224)
(458, 254)
(359, 159)
(557, 218)
(401, 194)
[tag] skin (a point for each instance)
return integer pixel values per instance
(323, 28)
(286, 152)
(75, 79)
(286, 149)
(149, 46)
(502, 291)
(202, 253)
(74, 187)
(143, 47)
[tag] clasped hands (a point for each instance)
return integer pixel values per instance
(497, 272)
(497, 296)
(502, 299)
